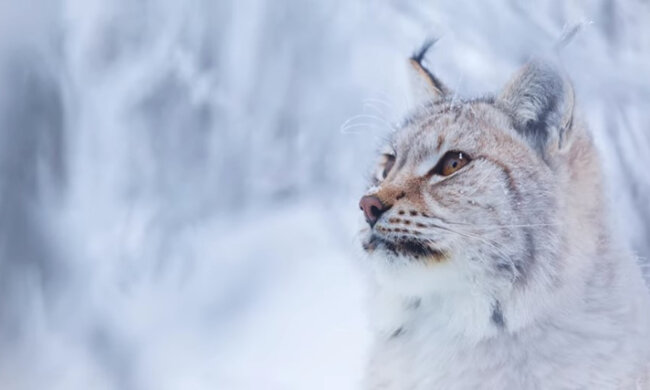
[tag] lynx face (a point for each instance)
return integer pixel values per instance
(469, 191)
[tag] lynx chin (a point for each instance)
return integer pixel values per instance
(493, 263)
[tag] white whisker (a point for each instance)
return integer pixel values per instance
(367, 116)
(367, 126)
(369, 106)
(505, 226)
(380, 101)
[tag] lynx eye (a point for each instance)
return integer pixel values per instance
(389, 161)
(452, 162)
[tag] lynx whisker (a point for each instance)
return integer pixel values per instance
(367, 126)
(504, 226)
(367, 106)
(352, 122)
(368, 116)
(382, 102)
(469, 235)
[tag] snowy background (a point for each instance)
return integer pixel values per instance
(179, 179)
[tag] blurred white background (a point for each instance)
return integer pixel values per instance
(179, 179)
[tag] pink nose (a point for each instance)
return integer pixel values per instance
(372, 208)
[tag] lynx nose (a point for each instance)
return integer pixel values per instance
(372, 208)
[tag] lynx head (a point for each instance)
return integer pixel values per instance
(476, 193)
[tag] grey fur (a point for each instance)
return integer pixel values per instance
(521, 275)
(497, 316)
(540, 102)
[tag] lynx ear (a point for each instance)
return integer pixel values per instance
(541, 102)
(426, 86)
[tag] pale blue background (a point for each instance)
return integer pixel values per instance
(179, 179)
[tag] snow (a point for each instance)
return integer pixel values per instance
(283, 310)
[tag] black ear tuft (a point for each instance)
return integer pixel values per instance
(433, 86)
(541, 103)
(418, 56)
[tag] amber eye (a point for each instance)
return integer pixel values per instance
(389, 161)
(452, 162)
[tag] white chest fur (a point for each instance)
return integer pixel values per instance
(599, 341)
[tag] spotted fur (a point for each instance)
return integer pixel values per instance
(520, 282)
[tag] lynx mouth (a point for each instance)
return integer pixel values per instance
(404, 247)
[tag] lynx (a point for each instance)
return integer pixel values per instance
(493, 263)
